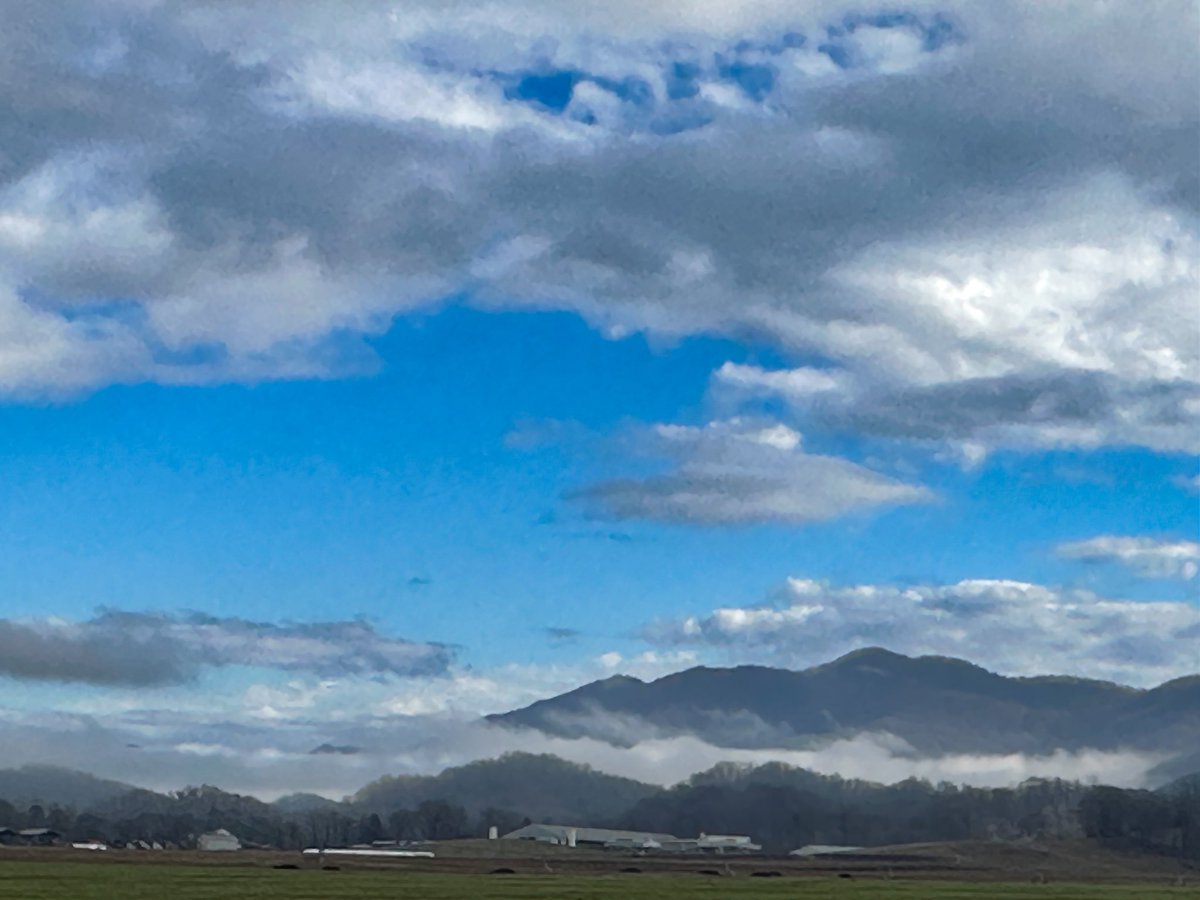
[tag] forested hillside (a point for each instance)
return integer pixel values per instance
(780, 806)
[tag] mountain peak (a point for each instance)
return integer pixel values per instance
(868, 655)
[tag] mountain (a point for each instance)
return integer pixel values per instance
(937, 704)
(335, 749)
(53, 786)
(542, 787)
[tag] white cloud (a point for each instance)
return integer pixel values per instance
(890, 51)
(1189, 483)
(1051, 290)
(794, 384)
(739, 471)
(1007, 626)
(1149, 557)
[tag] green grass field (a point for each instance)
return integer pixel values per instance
(83, 881)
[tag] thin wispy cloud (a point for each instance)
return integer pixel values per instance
(1146, 556)
(739, 472)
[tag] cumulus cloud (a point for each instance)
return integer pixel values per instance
(1008, 626)
(739, 471)
(148, 649)
(960, 201)
(1148, 557)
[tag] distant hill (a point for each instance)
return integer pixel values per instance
(937, 704)
(54, 786)
(335, 749)
(543, 787)
(302, 803)
(1187, 785)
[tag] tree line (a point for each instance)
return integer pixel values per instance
(784, 808)
(781, 807)
(179, 818)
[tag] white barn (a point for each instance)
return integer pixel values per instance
(219, 840)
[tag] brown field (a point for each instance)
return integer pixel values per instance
(980, 862)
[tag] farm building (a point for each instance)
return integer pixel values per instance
(219, 840)
(613, 839)
(726, 843)
(712, 843)
(38, 837)
(576, 836)
(821, 850)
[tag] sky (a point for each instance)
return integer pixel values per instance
(368, 367)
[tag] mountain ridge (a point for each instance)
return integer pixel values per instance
(937, 704)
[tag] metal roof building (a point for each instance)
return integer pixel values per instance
(822, 850)
(38, 836)
(615, 839)
(574, 835)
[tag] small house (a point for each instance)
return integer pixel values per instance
(38, 837)
(576, 836)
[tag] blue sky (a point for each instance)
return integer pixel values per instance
(384, 368)
(432, 496)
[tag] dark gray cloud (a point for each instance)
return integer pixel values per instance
(1070, 407)
(151, 649)
(1003, 207)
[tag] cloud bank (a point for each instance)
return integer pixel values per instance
(272, 761)
(982, 217)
